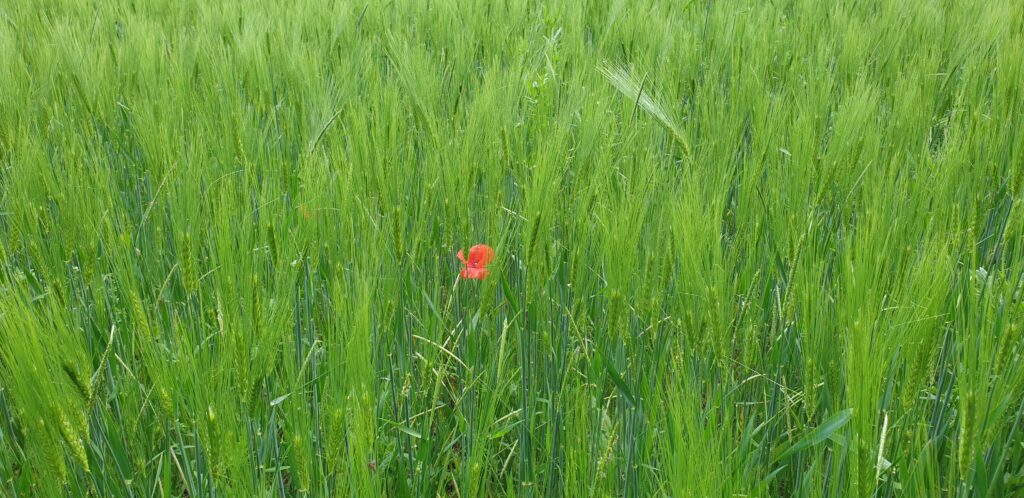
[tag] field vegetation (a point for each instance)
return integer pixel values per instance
(742, 248)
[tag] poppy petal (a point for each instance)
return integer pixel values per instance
(474, 273)
(480, 255)
(462, 257)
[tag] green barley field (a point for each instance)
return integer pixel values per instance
(743, 248)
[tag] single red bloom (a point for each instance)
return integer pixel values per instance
(480, 256)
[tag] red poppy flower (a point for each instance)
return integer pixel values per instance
(480, 256)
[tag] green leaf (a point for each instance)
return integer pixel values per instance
(619, 382)
(409, 431)
(815, 437)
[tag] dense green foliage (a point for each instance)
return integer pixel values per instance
(744, 248)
